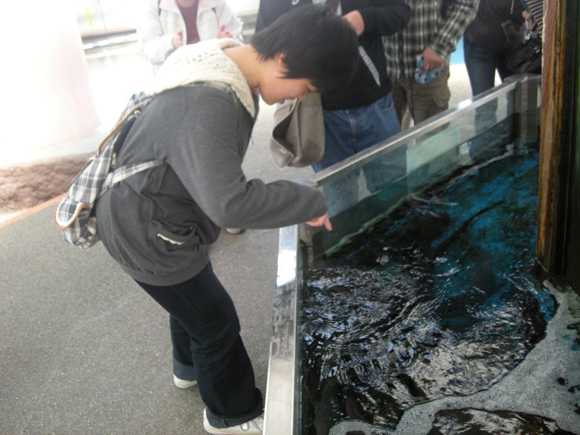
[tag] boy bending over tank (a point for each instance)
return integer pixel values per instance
(158, 223)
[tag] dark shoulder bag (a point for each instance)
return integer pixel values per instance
(526, 57)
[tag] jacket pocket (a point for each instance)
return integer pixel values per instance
(177, 239)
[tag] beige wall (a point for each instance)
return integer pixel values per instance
(46, 97)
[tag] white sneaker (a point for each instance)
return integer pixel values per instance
(254, 426)
(183, 384)
(234, 230)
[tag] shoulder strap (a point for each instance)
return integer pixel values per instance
(120, 125)
(123, 132)
(125, 172)
(370, 65)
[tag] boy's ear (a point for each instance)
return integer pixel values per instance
(280, 57)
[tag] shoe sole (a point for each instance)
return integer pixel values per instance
(182, 384)
(226, 430)
(216, 431)
(235, 230)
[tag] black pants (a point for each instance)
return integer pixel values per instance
(205, 331)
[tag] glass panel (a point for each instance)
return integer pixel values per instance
(379, 178)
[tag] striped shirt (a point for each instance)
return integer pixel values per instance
(428, 28)
(537, 10)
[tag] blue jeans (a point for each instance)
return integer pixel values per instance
(481, 64)
(348, 132)
(207, 347)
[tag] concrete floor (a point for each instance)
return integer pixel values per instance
(83, 349)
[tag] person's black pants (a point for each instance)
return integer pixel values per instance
(205, 331)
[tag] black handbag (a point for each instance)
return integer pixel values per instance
(526, 57)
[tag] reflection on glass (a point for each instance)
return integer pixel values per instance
(377, 186)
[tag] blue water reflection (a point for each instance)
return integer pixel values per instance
(438, 299)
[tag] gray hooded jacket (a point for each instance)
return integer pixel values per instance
(156, 223)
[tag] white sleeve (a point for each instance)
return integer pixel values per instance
(156, 41)
(226, 17)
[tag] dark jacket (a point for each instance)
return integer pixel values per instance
(381, 18)
(157, 223)
(499, 24)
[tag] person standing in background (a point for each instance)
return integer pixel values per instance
(166, 25)
(361, 113)
(433, 32)
(498, 27)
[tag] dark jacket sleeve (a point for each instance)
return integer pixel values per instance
(383, 17)
(487, 29)
(270, 10)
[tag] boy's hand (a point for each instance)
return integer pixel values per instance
(431, 59)
(223, 33)
(177, 39)
(321, 221)
(355, 20)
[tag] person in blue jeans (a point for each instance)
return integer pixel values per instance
(498, 27)
(350, 131)
(361, 113)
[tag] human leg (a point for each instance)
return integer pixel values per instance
(481, 64)
(502, 69)
(338, 145)
(375, 123)
(399, 94)
(378, 122)
(183, 370)
(221, 364)
(429, 99)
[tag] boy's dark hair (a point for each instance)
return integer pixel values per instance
(317, 44)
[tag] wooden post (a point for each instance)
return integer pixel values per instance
(554, 94)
